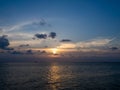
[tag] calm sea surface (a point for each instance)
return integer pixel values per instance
(59, 76)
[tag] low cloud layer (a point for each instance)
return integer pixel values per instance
(87, 46)
(93, 43)
(49, 40)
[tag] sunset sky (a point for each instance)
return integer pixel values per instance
(60, 28)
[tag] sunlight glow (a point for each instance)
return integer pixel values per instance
(54, 50)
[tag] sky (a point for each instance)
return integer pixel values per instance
(60, 28)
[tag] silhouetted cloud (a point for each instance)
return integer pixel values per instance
(43, 52)
(41, 36)
(114, 48)
(65, 40)
(4, 42)
(29, 52)
(52, 35)
(16, 52)
(8, 48)
(45, 36)
(24, 45)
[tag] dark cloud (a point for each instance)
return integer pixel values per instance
(114, 48)
(8, 48)
(41, 36)
(65, 40)
(4, 42)
(43, 52)
(16, 52)
(45, 36)
(24, 45)
(52, 35)
(29, 52)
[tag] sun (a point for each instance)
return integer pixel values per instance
(54, 50)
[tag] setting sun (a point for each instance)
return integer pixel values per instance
(54, 50)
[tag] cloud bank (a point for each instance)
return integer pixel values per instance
(93, 43)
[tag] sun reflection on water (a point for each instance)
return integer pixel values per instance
(54, 77)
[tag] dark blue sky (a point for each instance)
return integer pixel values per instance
(73, 19)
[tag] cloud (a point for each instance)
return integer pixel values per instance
(93, 43)
(65, 40)
(19, 36)
(45, 36)
(8, 48)
(29, 52)
(49, 43)
(24, 45)
(43, 52)
(52, 35)
(16, 52)
(41, 36)
(114, 48)
(87, 46)
(67, 46)
(22, 25)
(16, 27)
(16, 43)
(4, 42)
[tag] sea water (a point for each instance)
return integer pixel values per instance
(60, 76)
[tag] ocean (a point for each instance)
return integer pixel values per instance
(60, 76)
